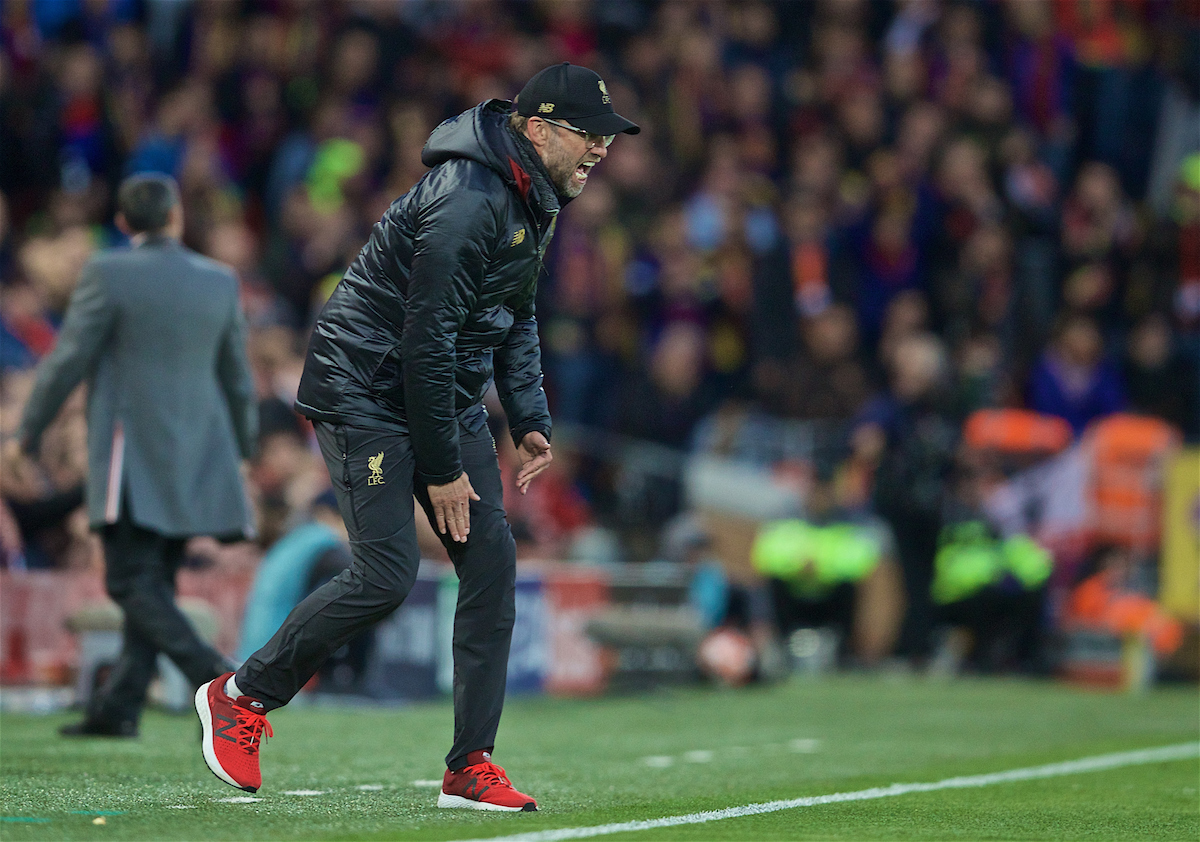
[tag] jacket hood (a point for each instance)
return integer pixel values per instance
(481, 134)
(475, 134)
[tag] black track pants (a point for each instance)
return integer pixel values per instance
(373, 478)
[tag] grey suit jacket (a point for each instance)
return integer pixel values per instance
(158, 334)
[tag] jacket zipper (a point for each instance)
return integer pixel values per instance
(541, 249)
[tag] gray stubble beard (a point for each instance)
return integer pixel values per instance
(561, 168)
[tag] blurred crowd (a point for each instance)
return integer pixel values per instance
(874, 216)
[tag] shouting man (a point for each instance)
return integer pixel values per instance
(438, 302)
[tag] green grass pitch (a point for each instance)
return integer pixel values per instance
(601, 761)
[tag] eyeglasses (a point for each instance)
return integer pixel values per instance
(592, 140)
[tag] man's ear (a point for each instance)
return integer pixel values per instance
(538, 132)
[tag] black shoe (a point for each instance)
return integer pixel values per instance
(97, 728)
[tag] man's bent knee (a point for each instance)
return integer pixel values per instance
(381, 584)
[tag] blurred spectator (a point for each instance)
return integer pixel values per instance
(591, 248)
(44, 521)
(1183, 250)
(1179, 112)
(26, 331)
(826, 380)
(1099, 230)
(717, 600)
(664, 403)
(992, 587)
(889, 263)
(1161, 381)
(906, 316)
(1072, 379)
(727, 612)
(286, 474)
(1110, 43)
(1031, 189)
(835, 569)
(1040, 65)
(980, 378)
(907, 434)
(966, 201)
(978, 292)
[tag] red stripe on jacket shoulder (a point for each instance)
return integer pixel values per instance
(524, 182)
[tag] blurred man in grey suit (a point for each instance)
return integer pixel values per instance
(157, 332)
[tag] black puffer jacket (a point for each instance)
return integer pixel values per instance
(441, 297)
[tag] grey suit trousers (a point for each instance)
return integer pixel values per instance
(373, 474)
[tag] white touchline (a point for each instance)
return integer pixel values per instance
(1183, 751)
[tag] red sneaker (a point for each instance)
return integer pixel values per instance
(483, 786)
(231, 747)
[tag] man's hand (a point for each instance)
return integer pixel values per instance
(535, 457)
(452, 507)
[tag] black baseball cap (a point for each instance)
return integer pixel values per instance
(575, 94)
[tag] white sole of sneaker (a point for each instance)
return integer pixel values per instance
(206, 739)
(457, 802)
